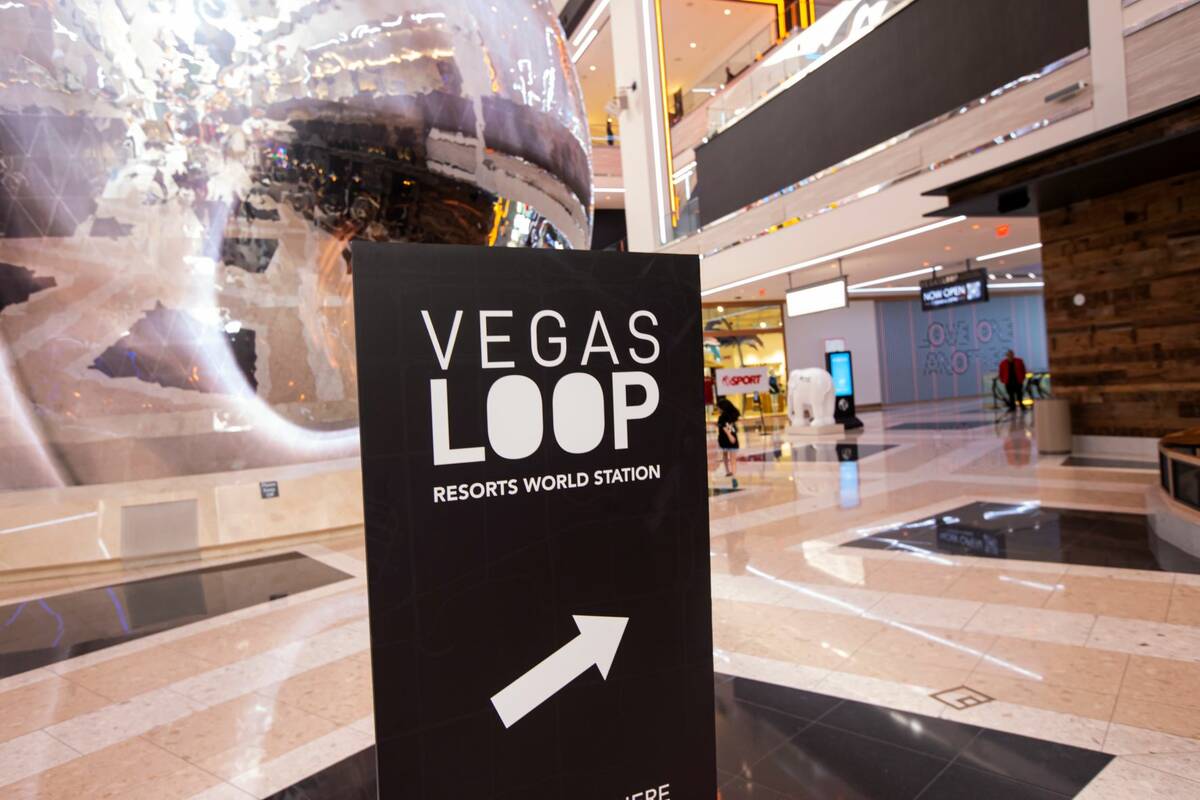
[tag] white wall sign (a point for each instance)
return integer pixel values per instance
(746, 380)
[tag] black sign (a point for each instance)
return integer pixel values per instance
(534, 476)
(268, 490)
(956, 289)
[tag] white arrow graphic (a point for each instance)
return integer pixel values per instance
(597, 643)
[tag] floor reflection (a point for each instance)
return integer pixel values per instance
(1033, 532)
(787, 744)
(40, 632)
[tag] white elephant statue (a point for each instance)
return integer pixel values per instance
(811, 391)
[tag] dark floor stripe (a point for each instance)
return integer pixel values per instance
(1034, 532)
(778, 743)
(45, 631)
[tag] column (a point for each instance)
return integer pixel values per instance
(645, 156)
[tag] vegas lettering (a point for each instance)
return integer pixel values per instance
(515, 407)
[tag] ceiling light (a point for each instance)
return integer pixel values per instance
(893, 289)
(849, 251)
(891, 278)
(692, 45)
(1011, 252)
(587, 26)
(728, 12)
(762, 324)
(992, 276)
(587, 42)
(1032, 275)
(1008, 275)
(720, 309)
(592, 67)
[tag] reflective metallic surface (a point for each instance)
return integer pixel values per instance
(180, 179)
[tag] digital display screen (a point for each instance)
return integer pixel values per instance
(954, 290)
(843, 374)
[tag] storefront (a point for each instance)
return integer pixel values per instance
(742, 335)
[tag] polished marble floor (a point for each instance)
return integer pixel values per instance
(1035, 532)
(789, 744)
(949, 646)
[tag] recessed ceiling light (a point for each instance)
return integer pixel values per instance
(1008, 275)
(592, 67)
(1032, 275)
(992, 275)
(1011, 252)
(947, 248)
(849, 251)
(720, 309)
(762, 324)
(728, 12)
(692, 45)
(975, 227)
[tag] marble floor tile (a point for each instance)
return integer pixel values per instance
(1185, 605)
(1163, 680)
(41, 704)
(1124, 740)
(917, 610)
(133, 768)
(1077, 667)
(1061, 627)
(97, 730)
(931, 645)
(295, 765)
(30, 754)
(1053, 726)
(238, 736)
(1123, 779)
(234, 642)
(340, 691)
(122, 678)
(1132, 599)
(1172, 718)
(1140, 637)
(993, 584)
(1021, 690)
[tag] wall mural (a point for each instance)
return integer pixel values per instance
(179, 183)
(953, 352)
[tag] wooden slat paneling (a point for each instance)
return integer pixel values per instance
(1129, 358)
(1162, 62)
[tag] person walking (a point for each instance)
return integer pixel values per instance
(1012, 375)
(727, 437)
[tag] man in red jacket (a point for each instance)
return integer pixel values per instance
(1012, 375)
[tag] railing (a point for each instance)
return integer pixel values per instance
(1179, 467)
(799, 54)
(740, 62)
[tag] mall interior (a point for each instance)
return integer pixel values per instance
(942, 368)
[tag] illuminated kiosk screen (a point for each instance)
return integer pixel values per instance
(843, 375)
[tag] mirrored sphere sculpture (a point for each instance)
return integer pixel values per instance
(179, 183)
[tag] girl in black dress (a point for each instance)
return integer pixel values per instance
(727, 437)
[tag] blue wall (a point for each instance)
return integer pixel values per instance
(932, 355)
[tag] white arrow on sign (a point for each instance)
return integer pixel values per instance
(597, 643)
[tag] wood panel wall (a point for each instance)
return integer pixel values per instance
(1129, 358)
